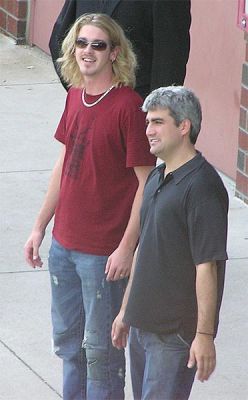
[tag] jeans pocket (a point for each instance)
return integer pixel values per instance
(182, 340)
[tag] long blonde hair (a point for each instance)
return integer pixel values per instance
(123, 67)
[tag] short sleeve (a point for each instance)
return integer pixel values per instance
(133, 128)
(60, 133)
(207, 228)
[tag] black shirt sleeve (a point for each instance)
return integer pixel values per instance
(207, 229)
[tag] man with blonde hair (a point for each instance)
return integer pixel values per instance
(157, 29)
(95, 194)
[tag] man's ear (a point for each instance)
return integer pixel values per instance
(185, 127)
(114, 54)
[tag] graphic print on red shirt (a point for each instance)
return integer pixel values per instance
(98, 184)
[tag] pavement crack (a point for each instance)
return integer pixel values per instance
(6, 84)
(26, 171)
(30, 368)
(34, 271)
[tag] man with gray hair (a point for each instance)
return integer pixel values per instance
(174, 294)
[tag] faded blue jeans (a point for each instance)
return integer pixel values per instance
(84, 305)
(159, 366)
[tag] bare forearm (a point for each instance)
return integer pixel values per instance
(130, 280)
(31, 248)
(131, 235)
(48, 207)
(206, 292)
(120, 261)
(202, 351)
(50, 201)
(120, 329)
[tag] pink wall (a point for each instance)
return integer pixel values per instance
(43, 16)
(214, 73)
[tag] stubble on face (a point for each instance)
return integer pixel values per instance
(163, 135)
(92, 62)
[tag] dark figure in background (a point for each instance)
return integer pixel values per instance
(158, 30)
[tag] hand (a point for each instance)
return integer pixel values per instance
(119, 332)
(119, 264)
(202, 353)
(31, 249)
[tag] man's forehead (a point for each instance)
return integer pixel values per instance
(157, 113)
(89, 29)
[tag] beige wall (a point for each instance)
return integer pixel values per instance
(214, 73)
(43, 16)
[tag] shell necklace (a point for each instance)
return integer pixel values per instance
(98, 100)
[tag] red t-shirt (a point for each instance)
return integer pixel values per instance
(98, 182)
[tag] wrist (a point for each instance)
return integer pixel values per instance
(122, 310)
(40, 225)
(127, 247)
(205, 333)
(38, 230)
(129, 242)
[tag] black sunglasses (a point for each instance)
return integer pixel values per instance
(98, 45)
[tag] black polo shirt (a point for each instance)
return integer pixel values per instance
(183, 224)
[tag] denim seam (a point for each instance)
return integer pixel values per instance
(108, 343)
(81, 349)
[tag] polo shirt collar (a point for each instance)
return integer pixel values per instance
(184, 170)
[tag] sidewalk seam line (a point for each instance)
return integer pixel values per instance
(30, 368)
(35, 271)
(28, 84)
(25, 171)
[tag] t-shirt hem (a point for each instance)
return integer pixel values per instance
(216, 258)
(84, 249)
(172, 327)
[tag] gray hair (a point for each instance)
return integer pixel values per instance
(181, 103)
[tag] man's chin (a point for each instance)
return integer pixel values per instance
(153, 152)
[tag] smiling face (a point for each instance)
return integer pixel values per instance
(93, 62)
(165, 138)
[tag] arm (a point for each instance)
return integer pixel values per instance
(120, 330)
(120, 261)
(31, 248)
(202, 351)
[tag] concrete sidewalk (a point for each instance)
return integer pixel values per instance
(31, 102)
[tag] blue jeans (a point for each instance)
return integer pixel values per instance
(159, 366)
(84, 305)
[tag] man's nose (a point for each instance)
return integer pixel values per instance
(150, 130)
(88, 47)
